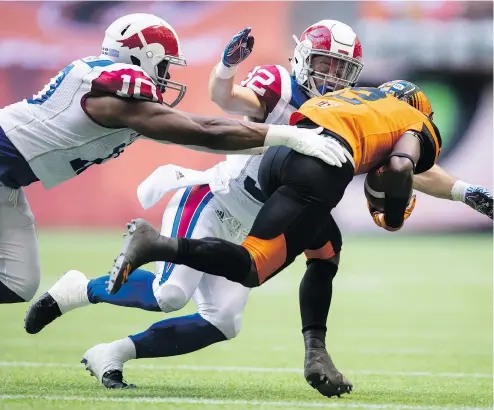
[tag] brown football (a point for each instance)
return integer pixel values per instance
(374, 189)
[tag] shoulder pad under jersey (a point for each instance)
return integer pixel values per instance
(126, 81)
(272, 84)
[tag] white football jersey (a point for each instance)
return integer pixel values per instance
(234, 181)
(52, 130)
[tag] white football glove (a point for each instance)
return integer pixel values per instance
(307, 141)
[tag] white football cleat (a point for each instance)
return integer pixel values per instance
(105, 362)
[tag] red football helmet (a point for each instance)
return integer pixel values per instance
(148, 42)
(327, 57)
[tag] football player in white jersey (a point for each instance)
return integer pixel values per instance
(90, 112)
(222, 202)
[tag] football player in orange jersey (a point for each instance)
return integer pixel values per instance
(436, 181)
(375, 128)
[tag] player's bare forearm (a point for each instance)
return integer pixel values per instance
(224, 134)
(215, 133)
(234, 99)
(399, 175)
(220, 89)
(163, 124)
(438, 183)
(435, 182)
(399, 178)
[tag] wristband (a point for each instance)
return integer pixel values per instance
(224, 72)
(459, 190)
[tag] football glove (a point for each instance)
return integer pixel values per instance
(480, 199)
(307, 141)
(239, 48)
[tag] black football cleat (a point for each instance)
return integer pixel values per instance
(112, 379)
(142, 244)
(321, 374)
(140, 237)
(41, 313)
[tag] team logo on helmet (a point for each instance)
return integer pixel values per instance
(410, 93)
(153, 34)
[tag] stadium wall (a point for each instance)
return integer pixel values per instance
(52, 34)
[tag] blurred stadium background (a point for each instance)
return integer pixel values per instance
(445, 47)
(405, 304)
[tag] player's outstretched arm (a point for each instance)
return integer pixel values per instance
(438, 183)
(232, 98)
(164, 124)
(435, 182)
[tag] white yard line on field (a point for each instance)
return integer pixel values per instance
(247, 369)
(257, 403)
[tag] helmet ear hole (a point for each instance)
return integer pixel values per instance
(135, 61)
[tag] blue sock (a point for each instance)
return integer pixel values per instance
(176, 336)
(137, 292)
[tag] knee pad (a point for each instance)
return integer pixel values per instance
(227, 322)
(335, 260)
(170, 297)
(29, 290)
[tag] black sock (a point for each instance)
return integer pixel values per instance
(162, 249)
(316, 289)
(216, 257)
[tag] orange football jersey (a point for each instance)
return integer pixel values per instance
(371, 122)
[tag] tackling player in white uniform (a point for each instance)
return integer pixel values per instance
(222, 202)
(90, 112)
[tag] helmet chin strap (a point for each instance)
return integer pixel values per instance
(323, 89)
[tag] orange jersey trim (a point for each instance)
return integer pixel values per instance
(268, 254)
(325, 252)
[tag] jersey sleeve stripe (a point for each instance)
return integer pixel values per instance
(98, 63)
(286, 96)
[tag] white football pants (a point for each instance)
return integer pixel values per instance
(195, 213)
(19, 260)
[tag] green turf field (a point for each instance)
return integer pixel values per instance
(411, 327)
